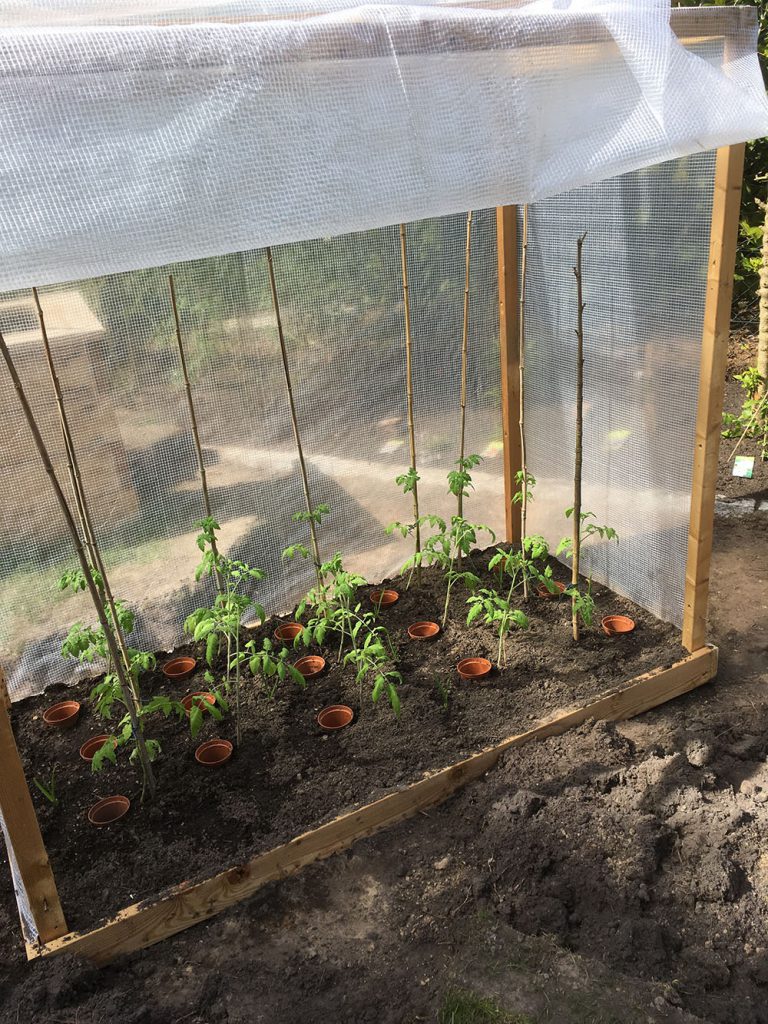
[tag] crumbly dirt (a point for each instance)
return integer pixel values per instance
(287, 775)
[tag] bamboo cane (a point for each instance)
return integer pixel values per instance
(523, 458)
(579, 432)
(295, 423)
(195, 431)
(762, 292)
(126, 691)
(409, 394)
(464, 360)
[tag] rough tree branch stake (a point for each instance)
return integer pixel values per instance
(579, 432)
(523, 458)
(409, 392)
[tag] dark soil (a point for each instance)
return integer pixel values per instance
(742, 353)
(287, 776)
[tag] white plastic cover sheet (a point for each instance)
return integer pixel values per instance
(133, 136)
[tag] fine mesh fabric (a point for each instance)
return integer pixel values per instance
(141, 133)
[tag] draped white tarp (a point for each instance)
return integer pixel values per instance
(143, 132)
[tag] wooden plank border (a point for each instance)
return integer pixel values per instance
(145, 923)
(509, 354)
(729, 170)
(23, 831)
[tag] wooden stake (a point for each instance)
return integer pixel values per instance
(24, 838)
(762, 292)
(295, 423)
(464, 354)
(109, 636)
(509, 355)
(579, 433)
(729, 168)
(523, 460)
(409, 393)
(195, 431)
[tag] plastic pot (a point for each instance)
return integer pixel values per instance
(384, 598)
(473, 668)
(288, 632)
(201, 697)
(213, 753)
(614, 625)
(110, 809)
(334, 717)
(179, 668)
(423, 630)
(62, 715)
(311, 666)
(541, 591)
(94, 744)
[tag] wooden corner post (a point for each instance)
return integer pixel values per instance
(24, 833)
(509, 351)
(729, 169)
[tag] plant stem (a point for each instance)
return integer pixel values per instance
(523, 457)
(195, 432)
(579, 432)
(464, 360)
(409, 392)
(122, 675)
(295, 422)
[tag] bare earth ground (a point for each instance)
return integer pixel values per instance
(610, 875)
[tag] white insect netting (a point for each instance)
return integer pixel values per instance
(146, 137)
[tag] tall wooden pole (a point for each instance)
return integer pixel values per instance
(295, 422)
(579, 432)
(464, 360)
(114, 651)
(509, 356)
(523, 459)
(409, 392)
(195, 430)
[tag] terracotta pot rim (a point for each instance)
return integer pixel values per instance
(224, 745)
(294, 628)
(65, 720)
(483, 663)
(541, 590)
(609, 622)
(344, 710)
(384, 597)
(188, 699)
(189, 663)
(310, 659)
(122, 803)
(418, 631)
(98, 742)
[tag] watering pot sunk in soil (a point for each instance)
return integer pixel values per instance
(200, 698)
(110, 809)
(90, 748)
(423, 630)
(384, 598)
(334, 717)
(63, 715)
(473, 668)
(615, 625)
(179, 668)
(541, 590)
(311, 666)
(288, 632)
(213, 753)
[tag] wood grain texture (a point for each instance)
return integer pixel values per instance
(729, 169)
(145, 923)
(509, 354)
(24, 834)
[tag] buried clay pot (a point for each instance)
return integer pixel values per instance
(541, 590)
(473, 668)
(288, 632)
(200, 698)
(384, 598)
(62, 715)
(423, 630)
(614, 625)
(110, 809)
(334, 717)
(213, 753)
(91, 747)
(179, 668)
(311, 666)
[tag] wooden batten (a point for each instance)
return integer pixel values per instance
(143, 924)
(509, 354)
(24, 833)
(729, 169)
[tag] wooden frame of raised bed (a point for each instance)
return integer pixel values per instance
(184, 905)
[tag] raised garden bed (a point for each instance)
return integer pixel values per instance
(288, 776)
